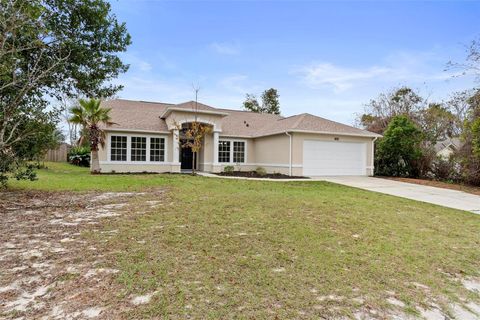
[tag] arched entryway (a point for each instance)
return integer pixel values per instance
(187, 157)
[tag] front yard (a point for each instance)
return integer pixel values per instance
(175, 246)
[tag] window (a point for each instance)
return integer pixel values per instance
(238, 151)
(118, 148)
(231, 151)
(157, 149)
(224, 151)
(139, 149)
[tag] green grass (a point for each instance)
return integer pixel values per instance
(215, 246)
(62, 176)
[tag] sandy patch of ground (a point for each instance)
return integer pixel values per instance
(48, 268)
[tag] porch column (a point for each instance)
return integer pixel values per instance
(215, 147)
(175, 147)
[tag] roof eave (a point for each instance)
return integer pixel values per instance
(170, 110)
(135, 130)
(367, 135)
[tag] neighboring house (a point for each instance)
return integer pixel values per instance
(447, 147)
(147, 137)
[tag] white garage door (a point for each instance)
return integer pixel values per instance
(334, 158)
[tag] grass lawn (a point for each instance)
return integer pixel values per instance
(220, 248)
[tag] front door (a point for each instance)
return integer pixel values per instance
(186, 157)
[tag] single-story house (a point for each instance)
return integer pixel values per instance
(148, 137)
(445, 148)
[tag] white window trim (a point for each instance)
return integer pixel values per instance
(149, 146)
(129, 148)
(231, 141)
(109, 149)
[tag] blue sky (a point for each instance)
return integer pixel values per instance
(325, 58)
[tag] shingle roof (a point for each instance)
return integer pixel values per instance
(142, 115)
(455, 142)
(137, 115)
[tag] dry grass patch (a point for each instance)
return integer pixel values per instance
(49, 265)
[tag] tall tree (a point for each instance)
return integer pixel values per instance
(459, 106)
(50, 48)
(469, 152)
(270, 102)
(91, 116)
(471, 65)
(251, 103)
(437, 122)
(380, 111)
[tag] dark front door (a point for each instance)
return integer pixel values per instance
(186, 158)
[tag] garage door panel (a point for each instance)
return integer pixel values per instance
(322, 158)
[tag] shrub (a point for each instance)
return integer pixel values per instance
(398, 152)
(79, 156)
(228, 169)
(443, 169)
(27, 173)
(471, 170)
(261, 171)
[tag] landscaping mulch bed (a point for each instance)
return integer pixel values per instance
(254, 174)
(439, 184)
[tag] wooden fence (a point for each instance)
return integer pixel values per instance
(59, 154)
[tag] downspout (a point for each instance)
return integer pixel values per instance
(289, 154)
(373, 155)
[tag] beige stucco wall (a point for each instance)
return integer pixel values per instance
(135, 168)
(108, 166)
(272, 150)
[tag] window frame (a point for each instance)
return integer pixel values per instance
(229, 152)
(140, 153)
(129, 148)
(161, 151)
(231, 144)
(110, 154)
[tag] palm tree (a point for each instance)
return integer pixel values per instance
(90, 115)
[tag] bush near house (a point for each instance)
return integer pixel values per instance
(261, 171)
(445, 169)
(228, 169)
(399, 149)
(79, 156)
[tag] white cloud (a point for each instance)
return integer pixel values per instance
(238, 84)
(407, 69)
(136, 63)
(340, 78)
(225, 48)
(234, 83)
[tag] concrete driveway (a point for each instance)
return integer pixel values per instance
(443, 197)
